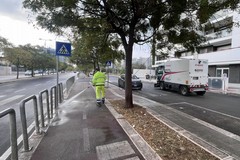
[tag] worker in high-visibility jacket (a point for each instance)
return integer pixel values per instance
(98, 81)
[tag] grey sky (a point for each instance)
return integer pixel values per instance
(13, 9)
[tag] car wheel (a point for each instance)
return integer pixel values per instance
(119, 84)
(184, 90)
(162, 86)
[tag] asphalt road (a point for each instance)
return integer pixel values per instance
(219, 110)
(13, 92)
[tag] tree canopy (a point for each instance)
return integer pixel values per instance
(134, 21)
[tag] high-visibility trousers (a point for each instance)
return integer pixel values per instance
(100, 92)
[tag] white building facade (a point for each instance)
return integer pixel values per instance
(222, 49)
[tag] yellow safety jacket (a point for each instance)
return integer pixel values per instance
(99, 79)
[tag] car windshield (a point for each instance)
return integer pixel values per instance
(134, 77)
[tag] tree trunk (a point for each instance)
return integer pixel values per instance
(128, 77)
(153, 51)
(17, 71)
(17, 68)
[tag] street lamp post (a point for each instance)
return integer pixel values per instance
(45, 42)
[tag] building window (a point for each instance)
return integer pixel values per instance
(220, 72)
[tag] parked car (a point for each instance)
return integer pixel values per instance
(136, 82)
(38, 71)
(28, 73)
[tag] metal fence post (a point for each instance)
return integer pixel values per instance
(41, 106)
(24, 120)
(60, 89)
(51, 101)
(13, 131)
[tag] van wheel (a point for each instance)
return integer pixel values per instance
(162, 86)
(184, 90)
(201, 93)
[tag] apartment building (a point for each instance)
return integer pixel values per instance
(222, 48)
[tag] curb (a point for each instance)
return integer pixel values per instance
(143, 147)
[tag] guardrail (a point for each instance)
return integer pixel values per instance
(69, 83)
(13, 131)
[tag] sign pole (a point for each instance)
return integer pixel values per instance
(108, 76)
(62, 49)
(57, 89)
(108, 63)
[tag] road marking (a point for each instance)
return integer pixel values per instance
(5, 101)
(37, 84)
(86, 143)
(19, 90)
(114, 150)
(8, 152)
(211, 110)
(2, 96)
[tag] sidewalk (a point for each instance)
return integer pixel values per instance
(87, 132)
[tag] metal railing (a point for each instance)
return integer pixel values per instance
(41, 106)
(24, 120)
(13, 131)
(60, 88)
(54, 88)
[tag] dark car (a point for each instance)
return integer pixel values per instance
(136, 82)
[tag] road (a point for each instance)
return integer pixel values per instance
(13, 92)
(217, 109)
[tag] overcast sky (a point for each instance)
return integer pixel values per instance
(14, 26)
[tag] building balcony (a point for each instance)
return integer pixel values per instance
(219, 34)
(224, 57)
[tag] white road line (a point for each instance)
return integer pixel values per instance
(19, 90)
(86, 143)
(8, 152)
(37, 84)
(5, 101)
(169, 104)
(2, 96)
(212, 110)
